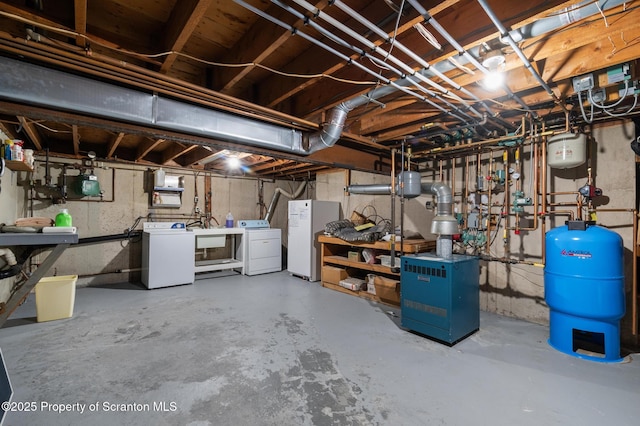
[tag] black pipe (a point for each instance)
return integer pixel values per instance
(114, 237)
(11, 272)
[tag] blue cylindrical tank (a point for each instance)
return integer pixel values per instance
(584, 288)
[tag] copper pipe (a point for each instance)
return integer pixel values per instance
(565, 193)
(569, 213)
(488, 246)
(634, 286)
(392, 245)
(616, 210)
(453, 182)
(505, 204)
(543, 185)
(565, 203)
(465, 203)
(534, 159)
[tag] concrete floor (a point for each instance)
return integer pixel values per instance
(276, 350)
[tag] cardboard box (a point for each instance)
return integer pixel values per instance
(353, 284)
(387, 289)
(333, 274)
(385, 260)
(354, 256)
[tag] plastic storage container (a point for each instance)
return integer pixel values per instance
(64, 218)
(55, 297)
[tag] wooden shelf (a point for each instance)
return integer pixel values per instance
(408, 246)
(362, 293)
(334, 253)
(375, 267)
(18, 166)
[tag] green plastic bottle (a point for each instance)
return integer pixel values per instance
(63, 218)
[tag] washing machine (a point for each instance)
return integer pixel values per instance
(168, 254)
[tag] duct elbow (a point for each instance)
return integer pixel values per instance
(439, 189)
(330, 132)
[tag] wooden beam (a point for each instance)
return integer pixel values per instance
(31, 131)
(174, 151)
(184, 19)
(6, 131)
(80, 18)
(344, 157)
(297, 87)
(270, 165)
(196, 155)
(28, 16)
(146, 147)
(114, 144)
(76, 140)
(255, 46)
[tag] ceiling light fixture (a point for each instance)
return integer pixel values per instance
(494, 61)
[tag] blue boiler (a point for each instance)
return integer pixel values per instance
(584, 288)
(439, 298)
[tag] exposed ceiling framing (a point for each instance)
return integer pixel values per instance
(291, 63)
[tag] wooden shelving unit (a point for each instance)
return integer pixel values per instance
(334, 252)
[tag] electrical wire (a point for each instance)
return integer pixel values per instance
(584, 116)
(618, 102)
(623, 114)
(395, 30)
(71, 33)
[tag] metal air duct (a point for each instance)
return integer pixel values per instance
(36, 85)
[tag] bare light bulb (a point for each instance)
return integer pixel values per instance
(233, 162)
(495, 63)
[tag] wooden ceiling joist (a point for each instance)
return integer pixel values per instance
(31, 131)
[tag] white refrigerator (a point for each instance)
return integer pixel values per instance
(307, 220)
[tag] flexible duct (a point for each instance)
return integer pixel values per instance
(276, 196)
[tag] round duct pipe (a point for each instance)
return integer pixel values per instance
(410, 181)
